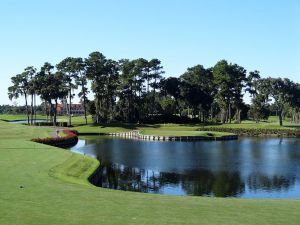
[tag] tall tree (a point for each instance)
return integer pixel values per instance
(252, 82)
(110, 87)
(95, 71)
(239, 82)
(229, 80)
(82, 82)
(31, 73)
(295, 103)
(171, 87)
(259, 89)
(69, 67)
(43, 79)
(224, 83)
(156, 74)
(280, 91)
(198, 89)
(20, 87)
(57, 90)
(127, 98)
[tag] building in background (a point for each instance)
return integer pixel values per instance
(76, 109)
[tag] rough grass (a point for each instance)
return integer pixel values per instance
(55, 191)
(272, 123)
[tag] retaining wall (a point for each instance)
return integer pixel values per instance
(137, 135)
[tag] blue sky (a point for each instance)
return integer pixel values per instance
(256, 34)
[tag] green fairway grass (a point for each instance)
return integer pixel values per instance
(42, 185)
(163, 129)
(182, 133)
(10, 117)
(272, 123)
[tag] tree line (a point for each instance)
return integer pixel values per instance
(136, 91)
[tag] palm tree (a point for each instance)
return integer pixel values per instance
(31, 73)
(20, 87)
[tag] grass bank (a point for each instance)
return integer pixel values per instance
(182, 133)
(247, 127)
(46, 185)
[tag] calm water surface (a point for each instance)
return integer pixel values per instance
(25, 121)
(245, 168)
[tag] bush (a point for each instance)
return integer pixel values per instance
(255, 132)
(70, 139)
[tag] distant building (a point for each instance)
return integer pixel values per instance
(76, 109)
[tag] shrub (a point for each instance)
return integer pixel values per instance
(255, 132)
(70, 139)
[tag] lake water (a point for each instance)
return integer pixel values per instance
(25, 121)
(244, 168)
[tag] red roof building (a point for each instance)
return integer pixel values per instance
(76, 109)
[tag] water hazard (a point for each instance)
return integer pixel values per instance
(245, 168)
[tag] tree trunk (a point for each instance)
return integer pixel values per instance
(84, 108)
(84, 102)
(35, 108)
(153, 101)
(70, 105)
(55, 113)
(229, 112)
(239, 116)
(99, 108)
(211, 114)
(51, 111)
(280, 117)
(27, 110)
(46, 111)
(32, 112)
(223, 116)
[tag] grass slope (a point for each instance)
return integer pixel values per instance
(55, 191)
(182, 133)
(161, 129)
(272, 123)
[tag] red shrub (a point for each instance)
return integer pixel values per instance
(69, 139)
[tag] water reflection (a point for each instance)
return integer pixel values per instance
(274, 183)
(247, 168)
(198, 183)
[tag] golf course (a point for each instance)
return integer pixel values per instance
(144, 112)
(47, 185)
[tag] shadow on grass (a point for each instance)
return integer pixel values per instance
(131, 126)
(293, 126)
(200, 124)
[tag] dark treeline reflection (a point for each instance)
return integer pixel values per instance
(246, 168)
(274, 183)
(194, 182)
